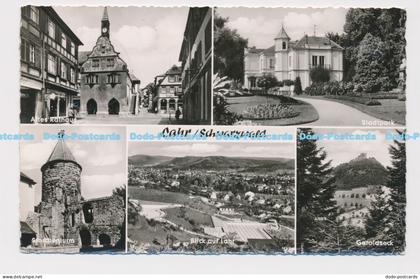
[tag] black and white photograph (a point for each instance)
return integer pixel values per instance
(312, 66)
(121, 65)
(211, 197)
(73, 192)
(351, 193)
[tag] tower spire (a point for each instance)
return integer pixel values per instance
(105, 15)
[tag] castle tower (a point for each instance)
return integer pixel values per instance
(281, 46)
(60, 206)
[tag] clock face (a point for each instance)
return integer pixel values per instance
(104, 30)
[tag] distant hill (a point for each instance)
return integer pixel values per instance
(217, 163)
(146, 160)
(360, 172)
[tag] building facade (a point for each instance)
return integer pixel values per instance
(287, 59)
(196, 75)
(64, 215)
(106, 85)
(48, 66)
(169, 90)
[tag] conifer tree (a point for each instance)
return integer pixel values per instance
(315, 192)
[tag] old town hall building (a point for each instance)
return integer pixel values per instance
(287, 59)
(106, 85)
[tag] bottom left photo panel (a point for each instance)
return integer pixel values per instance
(73, 189)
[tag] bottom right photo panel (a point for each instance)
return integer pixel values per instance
(351, 191)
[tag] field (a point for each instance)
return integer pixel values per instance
(188, 218)
(169, 197)
(307, 113)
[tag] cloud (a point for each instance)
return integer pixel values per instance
(94, 186)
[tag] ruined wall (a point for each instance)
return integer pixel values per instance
(107, 218)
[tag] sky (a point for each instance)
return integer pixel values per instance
(229, 149)
(148, 38)
(261, 25)
(103, 164)
(344, 151)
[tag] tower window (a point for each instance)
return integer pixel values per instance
(284, 45)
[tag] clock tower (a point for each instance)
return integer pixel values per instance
(105, 24)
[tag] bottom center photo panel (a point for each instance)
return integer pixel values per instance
(215, 195)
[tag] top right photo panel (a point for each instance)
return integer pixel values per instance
(309, 67)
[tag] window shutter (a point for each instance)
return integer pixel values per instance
(68, 72)
(37, 57)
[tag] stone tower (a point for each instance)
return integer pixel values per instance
(281, 54)
(105, 24)
(60, 208)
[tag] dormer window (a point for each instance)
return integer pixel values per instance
(110, 62)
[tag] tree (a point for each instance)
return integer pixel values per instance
(228, 50)
(371, 64)
(378, 214)
(315, 192)
(319, 74)
(267, 81)
(298, 86)
(397, 186)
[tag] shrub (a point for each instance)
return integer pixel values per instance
(270, 111)
(319, 74)
(288, 82)
(298, 86)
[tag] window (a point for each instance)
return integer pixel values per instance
(72, 75)
(92, 79)
(72, 49)
(284, 45)
(171, 78)
(52, 64)
(32, 53)
(110, 62)
(63, 72)
(321, 60)
(172, 90)
(51, 28)
(113, 78)
(63, 40)
(34, 14)
(271, 63)
(95, 63)
(314, 60)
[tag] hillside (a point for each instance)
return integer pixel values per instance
(360, 172)
(214, 163)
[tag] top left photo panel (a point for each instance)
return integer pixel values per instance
(115, 65)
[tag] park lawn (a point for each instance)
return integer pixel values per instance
(390, 109)
(307, 113)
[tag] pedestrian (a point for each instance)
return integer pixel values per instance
(177, 114)
(72, 113)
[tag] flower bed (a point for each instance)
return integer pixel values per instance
(269, 111)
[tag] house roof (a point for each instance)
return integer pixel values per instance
(53, 14)
(61, 152)
(282, 34)
(25, 228)
(83, 56)
(255, 50)
(269, 51)
(26, 179)
(315, 41)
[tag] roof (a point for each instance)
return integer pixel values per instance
(255, 50)
(25, 228)
(26, 179)
(83, 56)
(282, 34)
(61, 153)
(51, 12)
(315, 41)
(133, 77)
(269, 51)
(105, 15)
